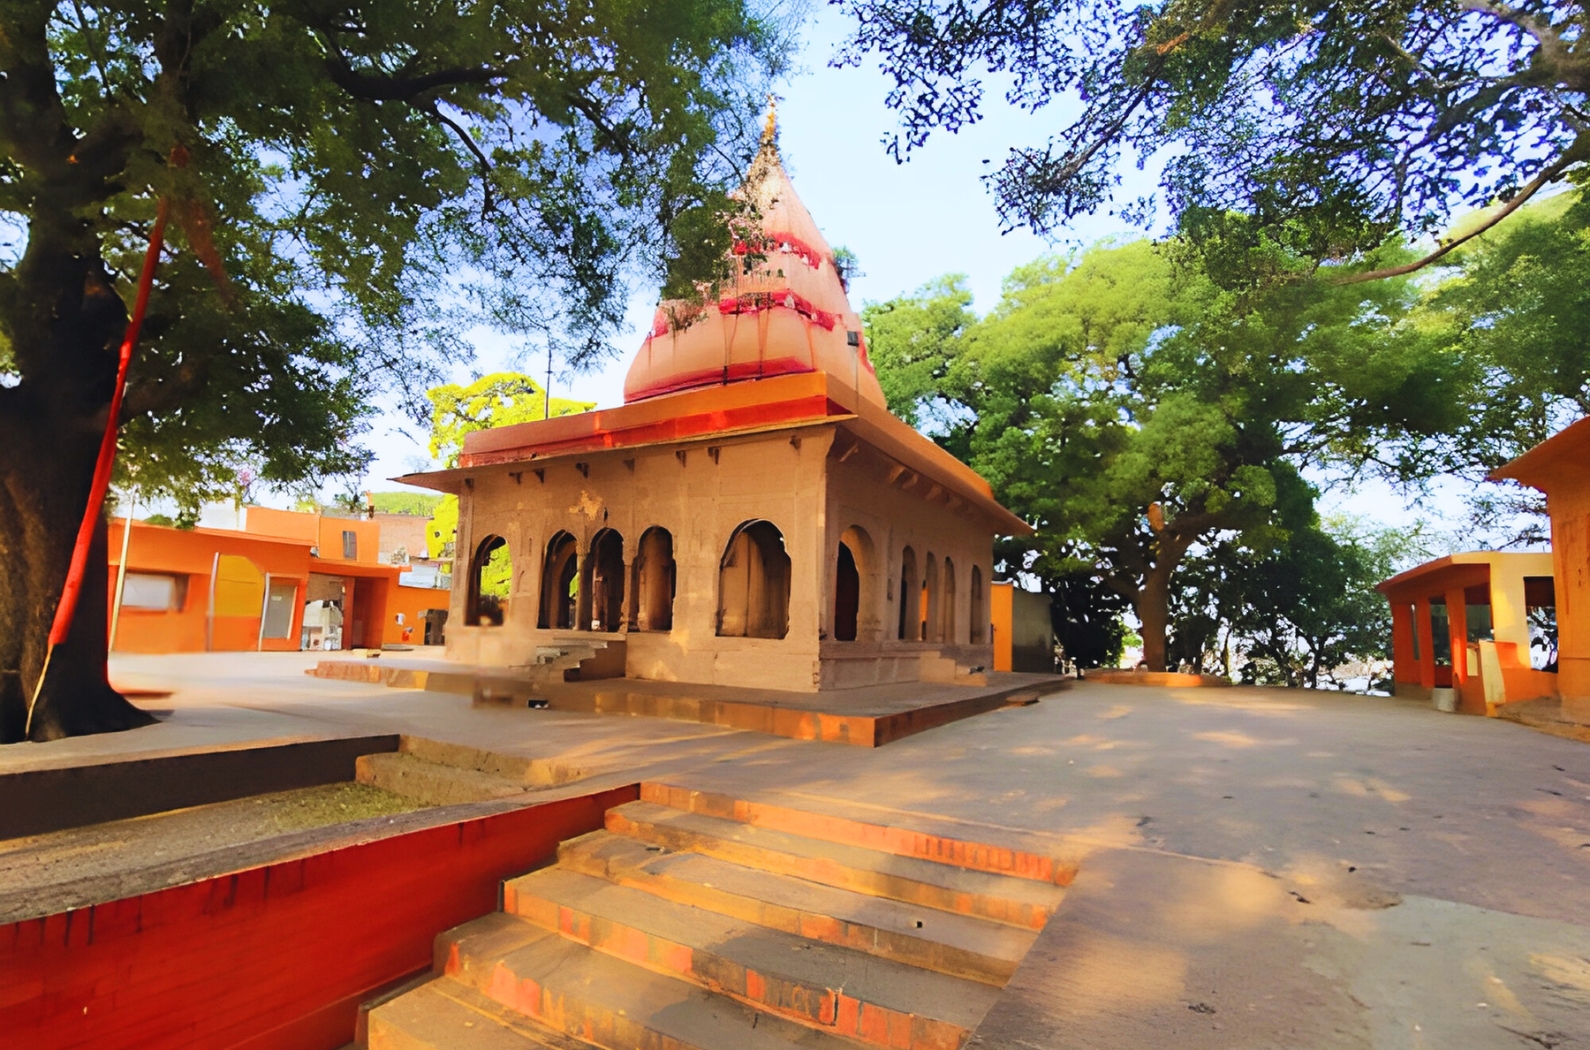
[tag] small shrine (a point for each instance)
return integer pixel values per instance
(753, 515)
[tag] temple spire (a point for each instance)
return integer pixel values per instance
(770, 123)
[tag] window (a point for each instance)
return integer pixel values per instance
(559, 583)
(350, 545)
(652, 604)
(947, 605)
(979, 610)
(753, 583)
(1477, 613)
(490, 574)
(910, 596)
(603, 583)
(1540, 610)
(857, 581)
(847, 595)
(158, 591)
(1440, 632)
(281, 602)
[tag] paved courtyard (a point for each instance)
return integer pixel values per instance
(1260, 867)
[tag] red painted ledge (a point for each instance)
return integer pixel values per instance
(278, 956)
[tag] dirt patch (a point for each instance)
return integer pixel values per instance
(119, 850)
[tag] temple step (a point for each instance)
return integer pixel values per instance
(959, 945)
(445, 1014)
(858, 995)
(1024, 903)
(608, 1002)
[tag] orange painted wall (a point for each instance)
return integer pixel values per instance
(191, 553)
(1001, 617)
(317, 530)
(412, 603)
(271, 957)
(1570, 545)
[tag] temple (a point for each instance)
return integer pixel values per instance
(753, 515)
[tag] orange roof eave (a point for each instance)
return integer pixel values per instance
(1563, 456)
(782, 402)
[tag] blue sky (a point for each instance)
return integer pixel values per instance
(906, 223)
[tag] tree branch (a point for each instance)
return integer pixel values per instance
(1571, 156)
(369, 88)
(488, 202)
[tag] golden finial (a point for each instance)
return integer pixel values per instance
(770, 125)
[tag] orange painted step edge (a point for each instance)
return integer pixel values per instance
(904, 842)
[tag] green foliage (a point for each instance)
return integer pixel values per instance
(1516, 307)
(441, 532)
(418, 504)
(1134, 409)
(911, 339)
(363, 186)
(1334, 126)
(497, 400)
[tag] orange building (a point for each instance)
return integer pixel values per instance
(1471, 623)
(1560, 467)
(225, 590)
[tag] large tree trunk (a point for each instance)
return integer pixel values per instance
(43, 489)
(1153, 613)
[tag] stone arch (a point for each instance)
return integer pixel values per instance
(869, 573)
(979, 609)
(928, 607)
(947, 604)
(490, 575)
(558, 576)
(910, 596)
(655, 582)
(602, 583)
(754, 582)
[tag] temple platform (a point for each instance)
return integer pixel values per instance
(869, 716)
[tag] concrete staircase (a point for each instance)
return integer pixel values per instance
(703, 922)
(565, 659)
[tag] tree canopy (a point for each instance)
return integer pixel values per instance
(1334, 125)
(496, 400)
(354, 188)
(1134, 411)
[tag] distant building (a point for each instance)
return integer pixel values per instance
(282, 581)
(1478, 623)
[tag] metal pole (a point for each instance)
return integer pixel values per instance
(265, 610)
(209, 620)
(121, 571)
(547, 414)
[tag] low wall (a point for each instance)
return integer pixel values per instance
(277, 956)
(43, 800)
(1160, 678)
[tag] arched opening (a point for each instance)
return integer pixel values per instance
(847, 595)
(947, 604)
(490, 573)
(910, 596)
(655, 581)
(928, 607)
(979, 607)
(753, 583)
(869, 586)
(602, 583)
(558, 578)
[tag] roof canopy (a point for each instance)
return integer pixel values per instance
(783, 310)
(1562, 459)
